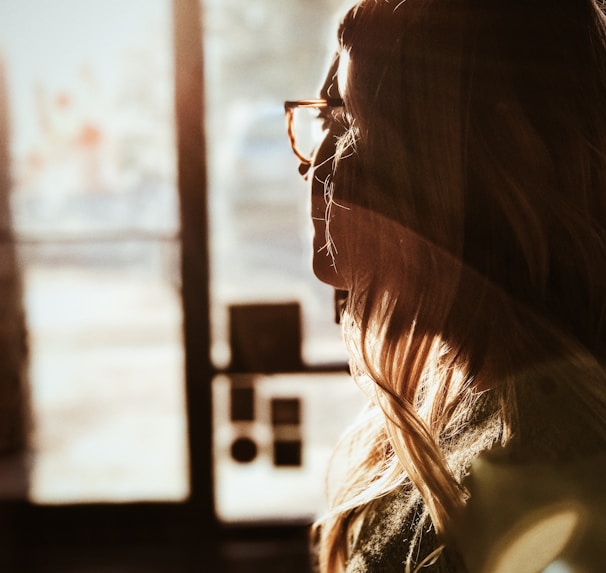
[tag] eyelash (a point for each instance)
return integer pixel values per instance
(333, 115)
(326, 118)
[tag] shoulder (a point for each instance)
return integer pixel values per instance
(539, 500)
(525, 515)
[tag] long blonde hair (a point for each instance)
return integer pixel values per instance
(478, 133)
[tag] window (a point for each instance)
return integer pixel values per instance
(117, 369)
(276, 417)
(95, 214)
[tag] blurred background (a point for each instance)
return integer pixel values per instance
(172, 378)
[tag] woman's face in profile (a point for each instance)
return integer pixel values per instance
(346, 234)
(331, 262)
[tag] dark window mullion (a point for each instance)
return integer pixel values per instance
(192, 184)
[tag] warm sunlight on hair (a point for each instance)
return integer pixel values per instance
(342, 71)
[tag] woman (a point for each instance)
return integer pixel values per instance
(459, 198)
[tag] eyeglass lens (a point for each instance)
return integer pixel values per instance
(307, 130)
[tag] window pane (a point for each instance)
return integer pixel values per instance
(287, 458)
(257, 55)
(272, 433)
(94, 208)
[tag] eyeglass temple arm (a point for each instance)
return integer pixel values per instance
(321, 102)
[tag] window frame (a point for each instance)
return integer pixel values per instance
(170, 536)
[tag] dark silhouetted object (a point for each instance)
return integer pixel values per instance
(242, 402)
(14, 387)
(288, 452)
(286, 426)
(285, 411)
(265, 338)
(244, 450)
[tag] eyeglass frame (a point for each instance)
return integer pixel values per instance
(289, 110)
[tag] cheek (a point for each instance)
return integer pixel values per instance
(346, 250)
(328, 244)
(330, 259)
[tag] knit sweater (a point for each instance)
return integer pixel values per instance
(554, 448)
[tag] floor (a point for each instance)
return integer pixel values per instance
(42, 544)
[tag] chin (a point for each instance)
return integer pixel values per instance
(325, 271)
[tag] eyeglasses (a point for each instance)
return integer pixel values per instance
(305, 126)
